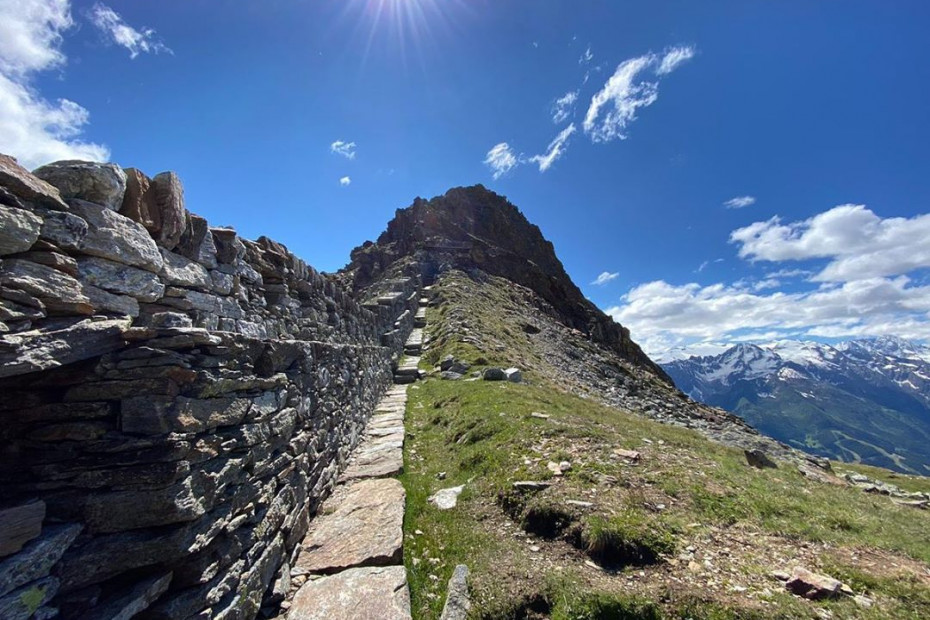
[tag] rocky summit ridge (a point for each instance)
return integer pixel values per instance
(474, 228)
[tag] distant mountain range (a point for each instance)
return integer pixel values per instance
(862, 400)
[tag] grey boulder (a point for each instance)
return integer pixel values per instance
(103, 184)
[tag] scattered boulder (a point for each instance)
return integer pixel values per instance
(457, 601)
(446, 499)
(19, 229)
(513, 375)
(758, 458)
(102, 184)
(812, 585)
(494, 374)
(449, 375)
(630, 455)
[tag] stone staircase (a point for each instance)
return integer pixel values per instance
(350, 565)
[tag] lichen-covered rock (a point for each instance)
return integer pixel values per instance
(181, 271)
(20, 182)
(118, 278)
(35, 561)
(168, 202)
(117, 238)
(19, 229)
(103, 184)
(22, 604)
(65, 230)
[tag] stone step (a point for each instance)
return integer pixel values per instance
(403, 379)
(361, 524)
(377, 593)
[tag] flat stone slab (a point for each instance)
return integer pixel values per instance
(359, 525)
(378, 593)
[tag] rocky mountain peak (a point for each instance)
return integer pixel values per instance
(475, 229)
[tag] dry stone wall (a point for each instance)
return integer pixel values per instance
(176, 401)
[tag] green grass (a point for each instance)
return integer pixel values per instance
(481, 434)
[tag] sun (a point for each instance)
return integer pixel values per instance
(410, 27)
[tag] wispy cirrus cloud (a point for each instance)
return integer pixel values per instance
(587, 57)
(564, 106)
(615, 106)
(612, 109)
(501, 159)
(740, 202)
(555, 149)
(117, 31)
(673, 57)
(604, 278)
(32, 128)
(346, 149)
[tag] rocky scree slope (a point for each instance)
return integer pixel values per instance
(860, 401)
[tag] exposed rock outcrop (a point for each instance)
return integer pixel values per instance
(474, 228)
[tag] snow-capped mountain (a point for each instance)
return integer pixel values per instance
(865, 400)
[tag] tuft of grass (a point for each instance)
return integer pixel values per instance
(627, 538)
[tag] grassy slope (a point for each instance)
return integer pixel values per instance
(688, 531)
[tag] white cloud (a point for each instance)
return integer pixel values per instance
(859, 244)
(555, 149)
(564, 107)
(501, 159)
(587, 57)
(604, 278)
(344, 181)
(33, 129)
(673, 58)
(623, 95)
(30, 35)
(739, 202)
(111, 24)
(662, 316)
(346, 149)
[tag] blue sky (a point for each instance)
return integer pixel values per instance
(311, 122)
